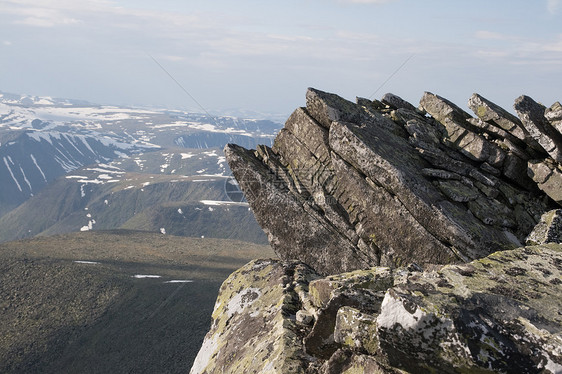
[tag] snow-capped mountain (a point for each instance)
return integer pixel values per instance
(43, 139)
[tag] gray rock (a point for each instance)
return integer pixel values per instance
(548, 177)
(554, 116)
(356, 330)
(329, 107)
(459, 133)
(532, 117)
(396, 102)
(303, 232)
(354, 191)
(458, 191)
(548, 230)
(496, 115)
(441, 174)
(497, 314)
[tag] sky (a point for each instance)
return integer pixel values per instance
(262, 55)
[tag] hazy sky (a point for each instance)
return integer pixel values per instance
(262, 55)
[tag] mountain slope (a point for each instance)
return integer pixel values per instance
(43, 138)
(106, 197)
(72, 303)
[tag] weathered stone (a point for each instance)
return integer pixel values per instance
(548, 178)
(302, 228)
(442, 109)
(304, 317)
(327, 108)
(497, 314)
(458, 191)
(250, 326)
(373, 104)
(356, 330)
(554, 112)
(441, 160)
(554, 116)
(492, 113)
(441, 174)
(515, 169)
(364, 190)
(490, 169)
(548, 230)
(492, 212)
(374, 279)
(459, 133)
(320, 341)
(396, 102)
(422, 134)
(532, 117)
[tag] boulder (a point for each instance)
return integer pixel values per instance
(253, 329)
(497, 314)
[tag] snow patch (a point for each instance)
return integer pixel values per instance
(179, 281)
(11, 173)
(37, 165)
(143, 276)
(90, 225)
(87, 262)
(220, 202)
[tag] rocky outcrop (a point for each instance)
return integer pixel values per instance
(400, 234)
(497, 314)
(349, 186)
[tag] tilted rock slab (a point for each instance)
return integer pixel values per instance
(497, 314)
(349, 186)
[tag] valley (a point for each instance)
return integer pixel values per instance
(111, 301)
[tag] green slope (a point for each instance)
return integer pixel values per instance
(57, 315)
(135, 201)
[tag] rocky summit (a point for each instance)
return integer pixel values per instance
(412, 240)
(348, 186)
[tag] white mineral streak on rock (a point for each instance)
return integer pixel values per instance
(242, 300)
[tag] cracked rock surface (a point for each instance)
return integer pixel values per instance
(348, 186)
(497, 314)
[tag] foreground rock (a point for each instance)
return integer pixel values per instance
(497, 314)
(349, 186)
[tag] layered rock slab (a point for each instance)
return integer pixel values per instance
(251, 330)
(348, 186)
(497, 314)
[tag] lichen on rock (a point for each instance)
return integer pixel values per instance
(497, 314)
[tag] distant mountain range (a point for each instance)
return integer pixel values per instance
(68, 165)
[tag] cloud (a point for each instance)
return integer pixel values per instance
(489, 35)
(553, 5)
